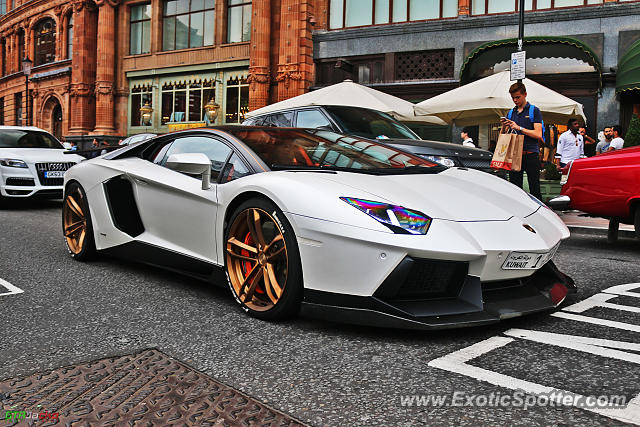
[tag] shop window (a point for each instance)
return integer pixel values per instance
(371, 72)
(428, 64)
(356, 13)
(482, 7)
(140, 29)
(239, 21)
(70, 37)
(45, 42)
(17, 102)
(140, 95)
(237, 104)
(184, 102)
(188, 23)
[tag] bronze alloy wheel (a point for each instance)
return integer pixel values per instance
(74, 222)
(257, 259)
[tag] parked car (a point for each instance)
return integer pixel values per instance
(294, 219)
(375, 125)
(136, 138)
(32, 163)
(607, 185)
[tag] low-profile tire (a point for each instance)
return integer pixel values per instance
(77, 228)
(262, 261)
(612, 231)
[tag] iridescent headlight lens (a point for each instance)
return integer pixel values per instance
(399, 219)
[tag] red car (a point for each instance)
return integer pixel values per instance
(607, 185)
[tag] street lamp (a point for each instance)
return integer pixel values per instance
(145, 112)
(211, 109)
(26, 69)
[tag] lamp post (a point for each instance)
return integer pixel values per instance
(26, 69)
(212, 109)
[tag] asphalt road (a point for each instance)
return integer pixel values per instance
(321, 373)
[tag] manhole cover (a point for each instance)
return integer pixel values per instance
(144, 389)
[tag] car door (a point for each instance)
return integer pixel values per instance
(176, 212)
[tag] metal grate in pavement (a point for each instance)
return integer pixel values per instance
(143, 389)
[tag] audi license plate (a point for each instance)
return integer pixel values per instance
(54, 174)
(527, 260)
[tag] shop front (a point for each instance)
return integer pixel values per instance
(165, 100)
(628, 85)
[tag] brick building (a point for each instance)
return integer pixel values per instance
(96, 63)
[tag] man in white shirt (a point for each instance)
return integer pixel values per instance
(466, 139)
(570, 144)
(617, 143)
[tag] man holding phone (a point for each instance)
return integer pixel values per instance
(523, 123)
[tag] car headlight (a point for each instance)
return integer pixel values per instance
(13, 163)
(397, 218)
(441, 160)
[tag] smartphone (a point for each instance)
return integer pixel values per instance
(502, 118)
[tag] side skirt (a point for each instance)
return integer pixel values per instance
(156, 256)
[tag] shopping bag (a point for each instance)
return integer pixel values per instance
(508, 152)
(517, 142)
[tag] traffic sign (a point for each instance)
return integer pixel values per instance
(518, 68)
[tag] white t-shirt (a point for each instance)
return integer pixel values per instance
(617, 143)
(468, 143)
(570, 147)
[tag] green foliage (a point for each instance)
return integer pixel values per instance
(632, 137)
(551, 172)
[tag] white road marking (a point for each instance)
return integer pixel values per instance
(597, 321)
(456, 362)
(599, 300)
(12, 289)
(623, 290)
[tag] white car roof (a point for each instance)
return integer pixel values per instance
(22, 128)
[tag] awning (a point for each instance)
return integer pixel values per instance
(536, 47)
(628, 76)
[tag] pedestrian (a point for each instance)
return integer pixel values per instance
(74, 146)
(467, 141)
(617, 142)
(526, 120)
(570, 143)
(105, 145)
(589, 142)
(603, 146)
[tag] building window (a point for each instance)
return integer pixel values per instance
(483, 7)
(140, 24)
(357, 13)
(423, 65)
(17, 102)
(3, 46)
(184, 102)
(188, 23)
(140, 95)
(70, 37)
(20, 47)
(1, 111)
(239, 21)
(45, 42)
(3, 7)
(237, 104)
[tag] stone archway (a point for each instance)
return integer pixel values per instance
(52, 116)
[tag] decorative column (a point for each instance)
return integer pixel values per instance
(105, 68)
(259, 70)
(83, 71)
(295, 64)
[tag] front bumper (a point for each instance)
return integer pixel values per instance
(463, 301)
(30, 182)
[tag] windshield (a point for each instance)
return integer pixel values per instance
(369, 123)
(319, 149)
(16, 138)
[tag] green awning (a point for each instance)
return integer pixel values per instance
(536, 47)
(628, 76)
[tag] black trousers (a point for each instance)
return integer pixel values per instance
(530, 165)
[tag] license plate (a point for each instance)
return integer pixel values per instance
(527, 260)
(54, 174)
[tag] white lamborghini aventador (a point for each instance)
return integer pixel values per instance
(344, 228)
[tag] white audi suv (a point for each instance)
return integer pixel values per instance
(32, 163)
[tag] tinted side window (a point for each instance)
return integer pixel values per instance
(279, 120)
(234, 169)
(217, 151)
(312, 119)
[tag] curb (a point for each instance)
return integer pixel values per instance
(599, 231)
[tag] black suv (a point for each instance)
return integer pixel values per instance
(376, 125)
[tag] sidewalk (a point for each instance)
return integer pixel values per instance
(580, 222)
